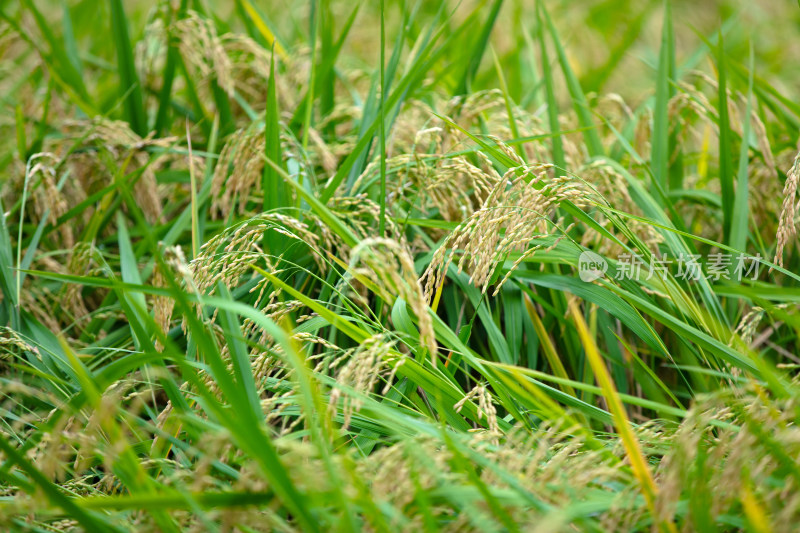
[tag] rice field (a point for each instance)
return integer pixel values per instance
(399, 266)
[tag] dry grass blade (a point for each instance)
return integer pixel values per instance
(623, 426)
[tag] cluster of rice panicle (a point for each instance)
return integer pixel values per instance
(83, 260)
(716, 455)
(516, 214)
(722, 443)
(361, 212)
(232, 61)
(92, 152)
(718, 440)
(237, 181)
(174, 267)
(549, 465)
(787, 228)
(612, 187)
(238, 171)
(41, 179)
(748, 325)
(430, 172)
(486, 409)
(128, 151)
(12, 343)
(360, 369)
(692, 97)
(691, 102)
(556, 467)
(744, 336)
(389, 265)
(79, 449)
(394, 474)
(231, 254)
(732, 456)
(693, 119)
(201, 47)
(229, 258)
(68, 307)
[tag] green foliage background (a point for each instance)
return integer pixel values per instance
(313, 266)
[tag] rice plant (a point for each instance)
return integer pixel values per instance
(399, 266)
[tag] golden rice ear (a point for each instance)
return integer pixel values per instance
(40, 182)
(360, 369)
(390, 265)
(228, 256)
(174, 267)
(236, 63)
(115, 146)
(787, 228)
(486, 410)
(12, 342)
(84, 260)
(513, 216)
(201, 47)
(612, 188)
(238, 172)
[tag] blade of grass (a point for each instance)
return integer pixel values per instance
(632, 446)
(130, 86)
(550, 353)
(58, 59)
(272, 184)
(659, 159)
(8, 275)
(193, 195)
(475, 55)
(559, 160)
(741, 208)
(313, 29)
(579, 102)
(263, 27)
(168, 77)
(725, 154)
(70, 45)
(382, 199)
